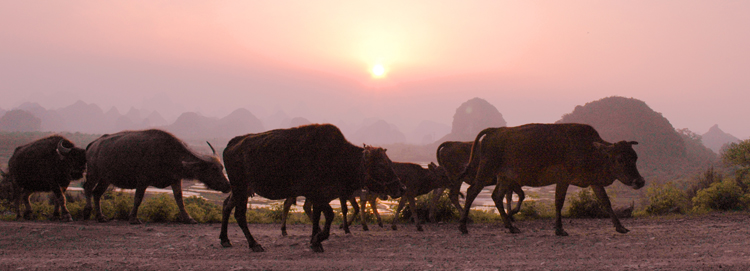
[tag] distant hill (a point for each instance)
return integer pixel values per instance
(472, 117)
(715, 138)
(662, 150)
(19, 121)
(378, 133)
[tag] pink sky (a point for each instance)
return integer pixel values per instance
(533, 60)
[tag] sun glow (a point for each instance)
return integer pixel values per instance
(378, 71)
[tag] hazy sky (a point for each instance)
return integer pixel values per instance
(533, 60)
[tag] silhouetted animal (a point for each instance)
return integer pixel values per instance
(139, 159)
(454, 156)
(45, 165)
(418, 181)
(543, 154)
(314, 161)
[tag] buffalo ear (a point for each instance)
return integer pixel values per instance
(432, 166)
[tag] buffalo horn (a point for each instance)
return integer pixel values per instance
(212, 147)
(62, 150)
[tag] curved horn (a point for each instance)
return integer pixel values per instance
(212, 147)
(62, 150)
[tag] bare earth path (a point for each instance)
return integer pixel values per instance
(718, 241)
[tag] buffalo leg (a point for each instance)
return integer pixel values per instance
(604, 199)
(344, 210)
(355, 207)
(363, 214)
(560, 190)
(184, 216)
(436, 194)
(133, 217)
(285, 212)
(239, 202)
(414, 215)
(471, 194)
(497, 196)
(97, 195)
(23, 196)
(60, 206)
(401, 203)
(226, 211)
(319, 236)
(374, 207)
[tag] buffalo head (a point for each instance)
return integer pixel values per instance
(74, 158)
(209, 171)
(379, 174)
(623, 159)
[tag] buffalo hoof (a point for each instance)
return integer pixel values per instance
(259, 248)
(135, 221)
(283, 232)
(419, 228)
(393, 227)
(622, 230)
(463, 229)
(226, 243)
(66, 218)
(27, 215)
(347, 231)
(365, 228)
(102, 219)
(560, 232)
(189, 221)
(380, 224)
(513, 229)
(317, 248)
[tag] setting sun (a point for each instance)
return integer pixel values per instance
(378, 71)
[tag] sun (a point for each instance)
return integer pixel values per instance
(378, 71)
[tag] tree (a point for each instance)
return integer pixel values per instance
(737, 154)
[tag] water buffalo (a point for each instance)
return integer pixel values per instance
(454, 156)
(314, 161)
(45, 165)
(543, 154)
(418, 181)
(139, 159)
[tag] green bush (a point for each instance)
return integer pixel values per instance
(444, 210)
(535, 209)
(666, 198)
(160, 208)
(725, 195)
(586, 205)
(202, 210)
(482, 216)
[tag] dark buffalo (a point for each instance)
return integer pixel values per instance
(314, 161)
(543, 154)
(139, 159)
(454, 156)
(418, 181)
(45, 165)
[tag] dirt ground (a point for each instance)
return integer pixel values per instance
(716, 241)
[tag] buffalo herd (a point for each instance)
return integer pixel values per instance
(318, 163)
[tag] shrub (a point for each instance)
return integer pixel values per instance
(664, 199)
(586, 205)
(482, 216)
(160, 208)
(202, 210)
(535, 209)
(724, 195)
(703, 181)
(444, 210)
